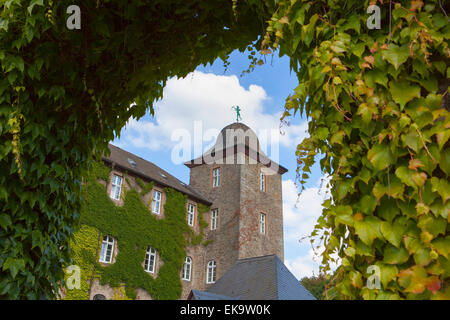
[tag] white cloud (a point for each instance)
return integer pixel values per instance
(300, 214)
(207, 99)
(308, 264)
(304, 266)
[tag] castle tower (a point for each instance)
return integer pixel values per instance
(246, 217)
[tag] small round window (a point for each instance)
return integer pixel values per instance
(99, 297)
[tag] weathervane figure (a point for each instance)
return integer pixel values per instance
(238, 112)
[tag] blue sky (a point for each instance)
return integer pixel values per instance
(204, 98)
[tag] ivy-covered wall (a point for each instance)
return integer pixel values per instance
(134, 228)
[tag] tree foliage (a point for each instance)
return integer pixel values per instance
(317, 285)
(377, 100)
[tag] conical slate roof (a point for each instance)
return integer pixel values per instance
(236, 138)
(235, 134)
(260, 278)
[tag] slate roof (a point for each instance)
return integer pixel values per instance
(204, 295)
(260, 278)
(149, 171)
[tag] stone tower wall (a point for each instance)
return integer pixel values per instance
(253, 202)
(224, 246)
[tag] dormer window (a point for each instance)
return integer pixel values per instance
(116, 187)
(132, 162)
(216, 177)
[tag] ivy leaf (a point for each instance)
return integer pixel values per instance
(322, 133)
(344, 215)
(413, 279)
(405, 175)
(388, 209)
(368, 229)
(444, 164)
(433, 225)
(14, 265)
(393, 232)
(367, 204)
(378, 156)
(396, 55)
(442, 187)
(402, 92)
(376, 76)
(5, 221)
(387, 273)
(422, 257)
(442, 245)
(393, 255)
(433, 284)
(356, 279)
(33, 3)
(412, 140)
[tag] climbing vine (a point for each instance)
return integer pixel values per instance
(378, 106)
(377, 101)
(135, 228)
(84, 250)
(65, 93)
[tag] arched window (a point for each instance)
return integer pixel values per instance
(107, 251)
(211, 272)
(187, 269)
(99, 297)
(150, 260)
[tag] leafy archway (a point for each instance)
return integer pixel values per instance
(376, 99)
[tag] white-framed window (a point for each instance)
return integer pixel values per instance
(191, 214)
(116, 187)
(150, 260)
(262, 182)
(262, 223)
(187, 269)
(107, 251)
(211, 272)
(156, 203)
(214, 218)
(216, 177)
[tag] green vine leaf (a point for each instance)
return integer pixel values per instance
(402, 92)
(393, 255)
(378, 156)
(368, 229)
(396, 55)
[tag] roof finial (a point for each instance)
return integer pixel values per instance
(238, 112)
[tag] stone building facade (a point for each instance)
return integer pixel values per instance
(244, 191)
